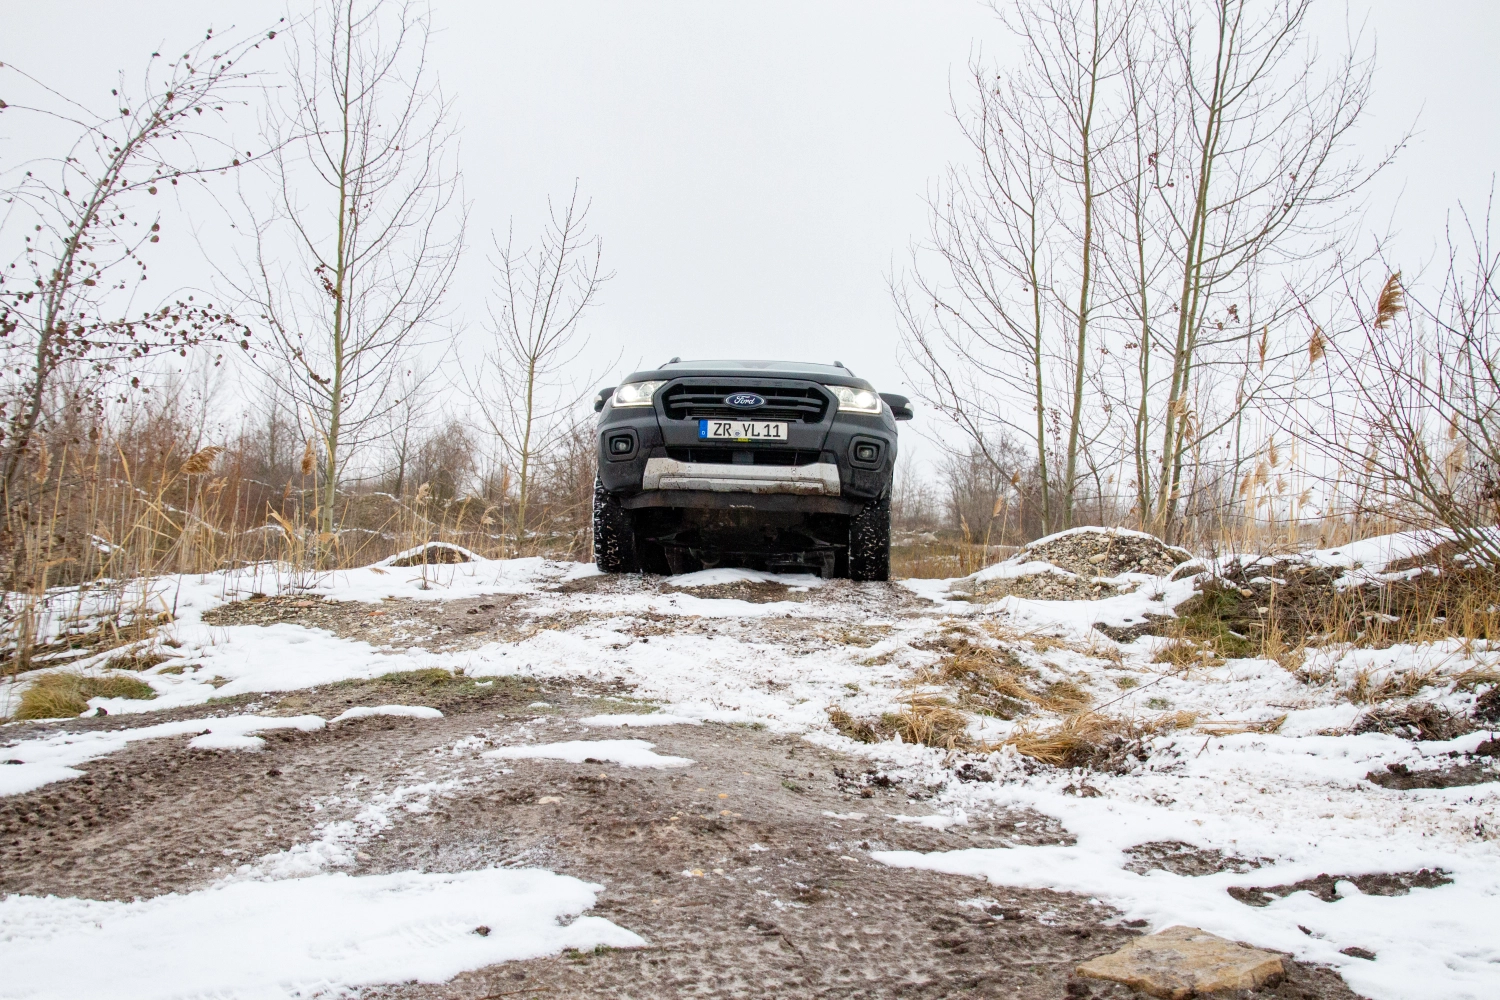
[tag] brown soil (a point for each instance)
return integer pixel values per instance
(743, 590)
(789, 903)
(1323, 886)
(1454, 774)
(1184, 859)
(433, 554)
(439, 626)
(1417, 720)
(1300, 602)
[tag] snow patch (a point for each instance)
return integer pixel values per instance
(399, 711)
(715, 577)
(630, 753)
(635, 721)
(323, 935)
(56, 758)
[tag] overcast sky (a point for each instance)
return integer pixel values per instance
(756, 169)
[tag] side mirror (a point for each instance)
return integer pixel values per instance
(900, 405)
(602, 398)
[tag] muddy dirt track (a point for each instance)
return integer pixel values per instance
(747, 872)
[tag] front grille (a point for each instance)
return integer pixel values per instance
(759, 455)
(693, 402)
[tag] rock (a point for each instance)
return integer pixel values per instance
(1181, 962)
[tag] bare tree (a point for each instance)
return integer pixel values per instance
(1253, 177)
(1411, 408)
(1119, 273)
(914, 497)
(407, 423)
(1010, 314)
(354, 259)
(80, 234)
(540, 295)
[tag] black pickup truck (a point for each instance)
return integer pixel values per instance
(772, 465)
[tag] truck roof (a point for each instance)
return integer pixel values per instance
(832, 374)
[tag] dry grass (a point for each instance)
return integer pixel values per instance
(859, 730)
(1091, 739)
(988, 680)
(106, 500)
(991, 681)
(1073, 743)
(1475, 677)
(929, 720)
(1365, 690)
(136, 660)
(66, 695)
(1184, 653)
(941, 555)
(923, 718)
(1228, 727)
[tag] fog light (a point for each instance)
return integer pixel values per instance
(620, 445)
(866, 452)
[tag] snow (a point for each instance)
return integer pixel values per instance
(465, 555)
(629, 753)
(322, 935)
(337, 843)
(635, 721)
(226, 741)
(1011, 569)
(56, 758)
(1375, 553)
(1429, 943)
(398, 711)
(715, 577)
(1296, 797)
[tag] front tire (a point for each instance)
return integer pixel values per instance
(870, 542)
(614, 534)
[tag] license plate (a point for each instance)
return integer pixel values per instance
(741, 430)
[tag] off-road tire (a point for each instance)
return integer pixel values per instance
(870, 542)
(614, 535)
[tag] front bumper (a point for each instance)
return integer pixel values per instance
(817, 479)
(650, 458)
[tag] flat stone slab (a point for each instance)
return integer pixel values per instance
(1182, 962)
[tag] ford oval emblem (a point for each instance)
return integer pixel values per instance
(744, 400)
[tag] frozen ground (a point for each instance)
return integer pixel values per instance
(483, 767)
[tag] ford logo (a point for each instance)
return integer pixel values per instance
(744, 400)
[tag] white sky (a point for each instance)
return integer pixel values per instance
(757, 168)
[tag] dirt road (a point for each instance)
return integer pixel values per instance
(748, 872)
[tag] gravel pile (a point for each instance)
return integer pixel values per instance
(1091, 560)
(1095, 552)
(1046, 587)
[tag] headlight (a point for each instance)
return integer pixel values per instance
(636, 393)
(856, 400)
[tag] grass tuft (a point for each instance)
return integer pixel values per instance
(924, 718)
(66, 695)
(137, 661)
(1089, 739)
